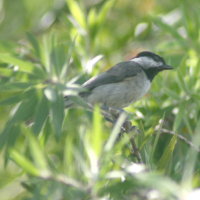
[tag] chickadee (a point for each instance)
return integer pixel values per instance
(124, 83)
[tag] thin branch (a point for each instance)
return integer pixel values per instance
(125, 128)
(61, 178)
(184, 139)
(135, 150)
(112, 115)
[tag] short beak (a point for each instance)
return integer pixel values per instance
(167, 67)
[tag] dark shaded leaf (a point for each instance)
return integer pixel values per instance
(57, 111)
(42, 112)
(35, 44)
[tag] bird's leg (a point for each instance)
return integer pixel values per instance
(116, 112)
(112, 114)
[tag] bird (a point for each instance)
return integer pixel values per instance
(124, 83)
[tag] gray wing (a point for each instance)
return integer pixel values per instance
(116, 74)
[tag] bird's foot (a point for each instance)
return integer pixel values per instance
(114, 112)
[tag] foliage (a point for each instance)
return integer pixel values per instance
(48, 152)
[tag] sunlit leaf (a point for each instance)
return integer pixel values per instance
(92, 17)
(6, 71)
(24, 163)
(50, 94)
(37, 153)
(97, 132)
(15, 86)
(77, 12)
(21, 65)
(104, 11)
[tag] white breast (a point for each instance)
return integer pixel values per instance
(120, 94)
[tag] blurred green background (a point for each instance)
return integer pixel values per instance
(48, 48)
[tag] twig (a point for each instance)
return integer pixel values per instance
(135, 150)
(61, 178)
(163, 130)
(112, 115)
(125, 128)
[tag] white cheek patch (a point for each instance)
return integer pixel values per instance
(147, 62)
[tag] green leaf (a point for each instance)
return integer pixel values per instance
(58, 57)
(45, 54)
(57, 111)
(179, 117)
(77, 12)
(92, 17)
(69, 156)
(50, 93)
(42, 112)
(104, 11)
(24, 66)
(24, 163)
(11, 100)
(167, 155)
(171, 93)
(35, 44)
(9, 135)
(7, 46)
(65, 66)
(180, 79)
(97, 132)
(37, 152)
(115, 132)
(6, 72)
(23, 112)
(26, 108)
(172, 31)
(192, 158)
(15, 86)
